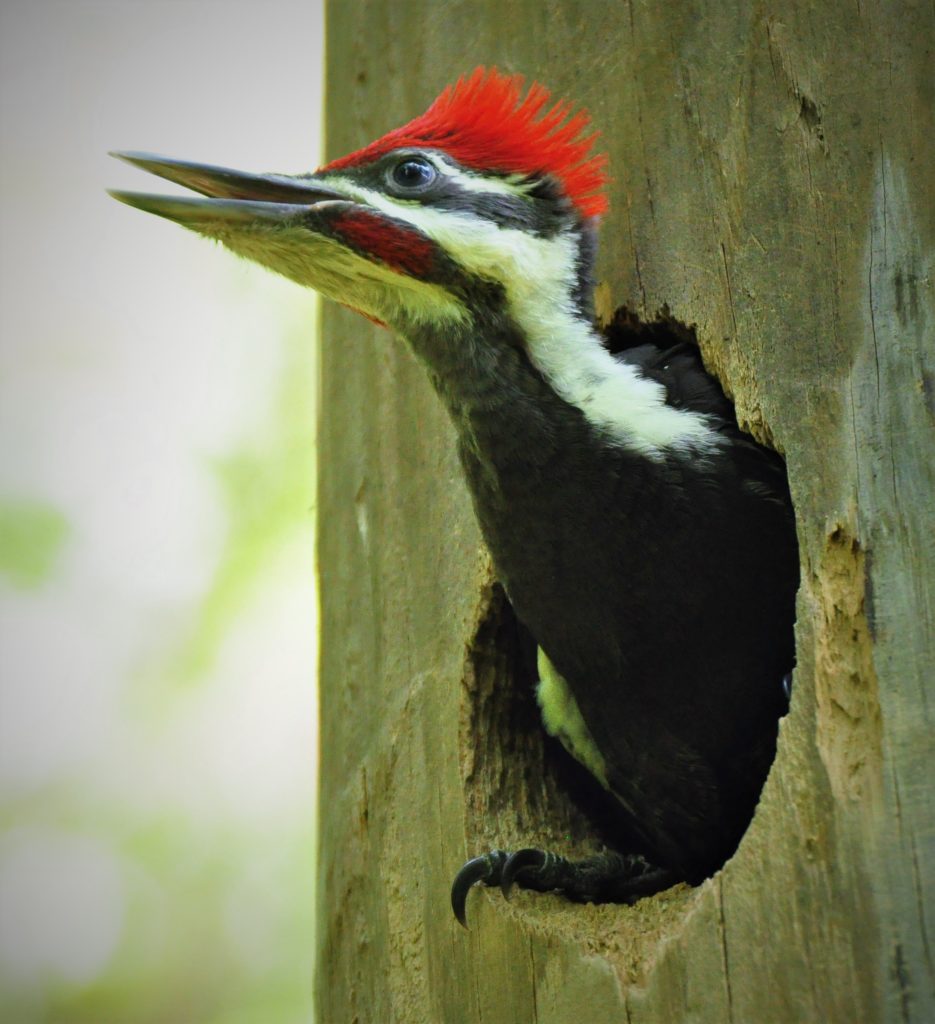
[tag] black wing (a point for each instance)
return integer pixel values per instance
(679, 369)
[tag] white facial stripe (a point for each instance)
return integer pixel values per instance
(513, 187)
(538, 278)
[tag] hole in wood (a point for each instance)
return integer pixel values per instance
(522, 788)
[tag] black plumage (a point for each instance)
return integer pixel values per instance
(662, 591)
(651, 553)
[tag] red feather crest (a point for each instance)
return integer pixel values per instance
(484, 123)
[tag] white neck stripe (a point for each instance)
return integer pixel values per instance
(538, 278)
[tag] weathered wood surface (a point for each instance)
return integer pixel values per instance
(773, 185)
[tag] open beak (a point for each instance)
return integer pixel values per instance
(306, 230)
(233, 197)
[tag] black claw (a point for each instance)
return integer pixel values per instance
(607, 877)
(527, 858)
(485, 868)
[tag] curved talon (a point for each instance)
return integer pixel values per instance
(485, 868)
(527, 858)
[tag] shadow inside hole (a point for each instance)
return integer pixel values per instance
(522, 787)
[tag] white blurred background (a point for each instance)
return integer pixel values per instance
(157, 628)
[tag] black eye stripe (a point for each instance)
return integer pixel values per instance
(540, 209)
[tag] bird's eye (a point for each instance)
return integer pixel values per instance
(414, 174)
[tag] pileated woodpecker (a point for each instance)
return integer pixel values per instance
(646, 543)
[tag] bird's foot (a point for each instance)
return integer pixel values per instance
(607, 877)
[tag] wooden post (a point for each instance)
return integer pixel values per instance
(773, 186)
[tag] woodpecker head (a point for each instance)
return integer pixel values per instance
(489, 196)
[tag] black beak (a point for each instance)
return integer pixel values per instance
(233, 197)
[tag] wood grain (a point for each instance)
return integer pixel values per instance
(773, 186)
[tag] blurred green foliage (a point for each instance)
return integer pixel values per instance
(268, 491)
(32, 535)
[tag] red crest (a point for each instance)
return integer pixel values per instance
(484, 122)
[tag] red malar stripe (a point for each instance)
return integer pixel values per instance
(398, 247)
